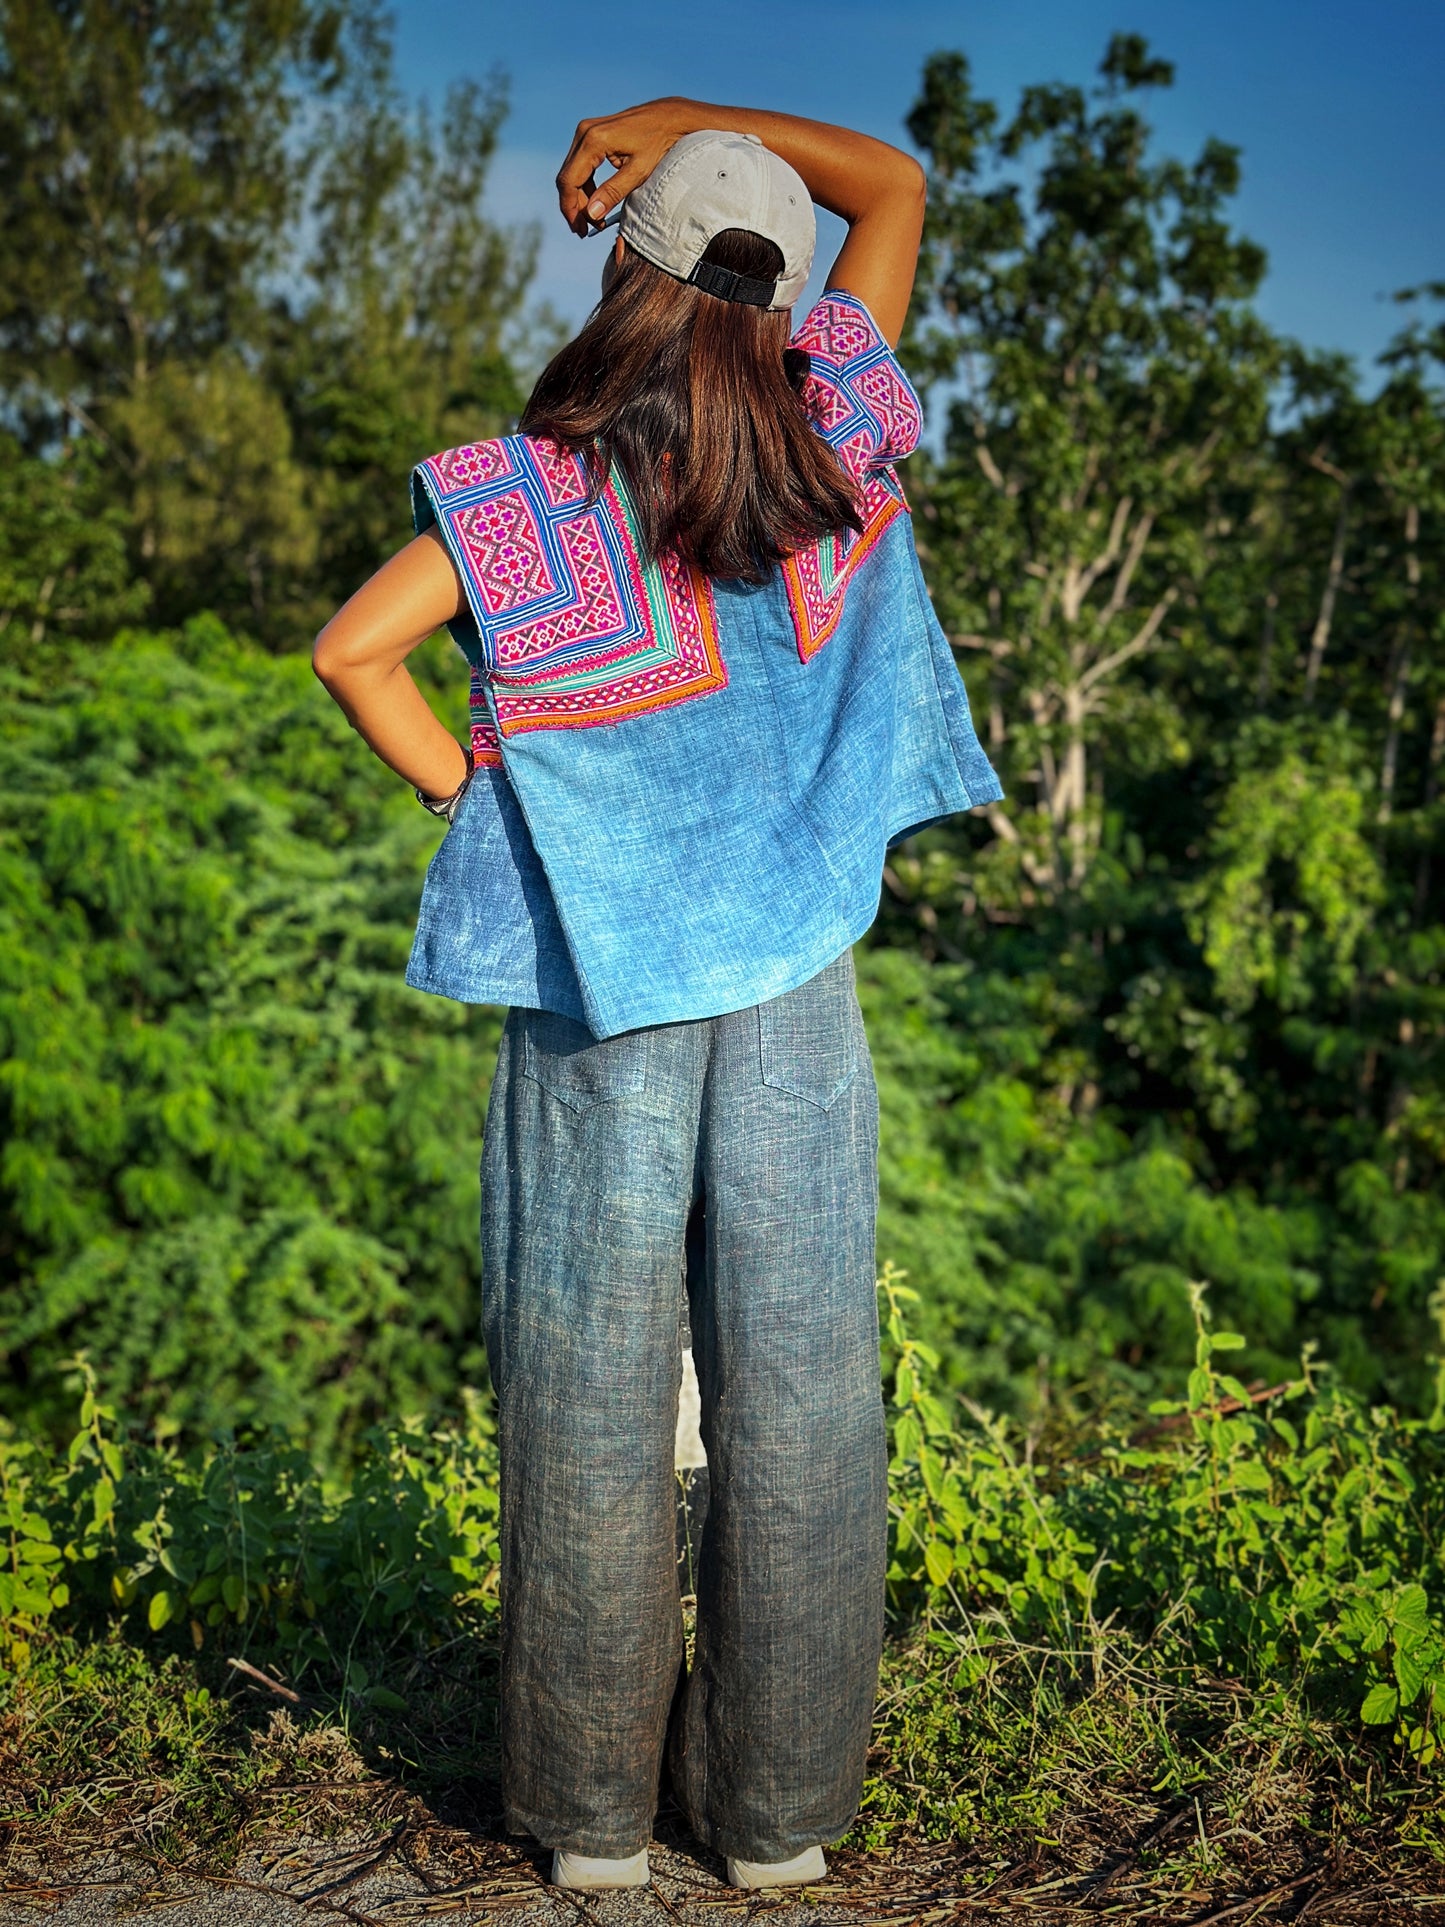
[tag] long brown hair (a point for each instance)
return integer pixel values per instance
(698, 401)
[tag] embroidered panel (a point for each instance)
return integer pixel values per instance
(574, 627)
(861, 400)
(865, 409)
(817, 579)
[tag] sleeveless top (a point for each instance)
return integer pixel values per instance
(685, 789)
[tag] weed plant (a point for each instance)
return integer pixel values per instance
(1228, 1611)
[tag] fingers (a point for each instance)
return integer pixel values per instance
(600, 201)
(577, 177)
(633, 142)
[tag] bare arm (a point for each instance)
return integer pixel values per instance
(361, 658)
(877, 189)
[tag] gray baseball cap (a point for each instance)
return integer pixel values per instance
(710, 181)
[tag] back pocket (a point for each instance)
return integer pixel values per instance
(810, 1037)
(565, 1058)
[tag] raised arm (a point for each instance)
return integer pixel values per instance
(877, 189)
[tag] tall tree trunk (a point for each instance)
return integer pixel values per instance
(1320, 637)
(1265, 680)
(1398, 683)
(1432, 790)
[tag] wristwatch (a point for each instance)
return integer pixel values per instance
(448, 806)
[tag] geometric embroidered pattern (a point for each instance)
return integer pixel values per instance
(817, 579)
(864, 406)
(486, 750)
(860, 399)
(569, 625)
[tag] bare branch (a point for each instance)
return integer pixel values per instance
(1106, 560)
(1139, 641)
(78, 415)
(1317, 460)
(1120, 592)
(1319, 639)
(992, 645)
(1398, 682)
(264, 1679)
(990, 467)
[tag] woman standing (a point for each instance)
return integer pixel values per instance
(708, 692)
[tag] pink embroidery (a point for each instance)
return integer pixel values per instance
(576, 626)
(466, 467)
(817, 579)
(504, 553)
(864, 408)
(855, 391)
(486, 750)
(597, 610)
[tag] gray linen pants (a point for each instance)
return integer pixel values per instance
(721, 1174)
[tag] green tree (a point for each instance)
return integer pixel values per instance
(1114, 384)
(1193, 575)
(406, 335)
(261, 284)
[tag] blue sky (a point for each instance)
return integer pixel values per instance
(1339, 109)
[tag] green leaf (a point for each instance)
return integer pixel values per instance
(1250, 1475)
(1412, 1608)
(1226, 1341)
(1409, 1676)
(938, 1558)
(1380, 1705)
(1200, 1385)
(384, 1697)
(159, 1612)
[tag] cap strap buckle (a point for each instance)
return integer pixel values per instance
(729, 286)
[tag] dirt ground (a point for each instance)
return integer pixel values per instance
(415, 1869)
(411, 1874)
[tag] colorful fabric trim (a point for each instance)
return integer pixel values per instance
(866, 410)
(486, 746)
(572, 626)
(860, 400)
(817, 579)
(568, 625)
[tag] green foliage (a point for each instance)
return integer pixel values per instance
(1184, 983)
(1285, 1547)
(239, 1157)
(64, 571)
(253, 1548)
(1291, 1540)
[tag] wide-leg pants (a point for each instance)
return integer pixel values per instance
(722, 1175)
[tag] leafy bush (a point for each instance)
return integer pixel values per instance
(1286, 1539)
(239, 1154)
(1289, 1542)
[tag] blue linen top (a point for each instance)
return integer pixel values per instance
(685, 790)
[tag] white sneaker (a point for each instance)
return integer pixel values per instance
(584, 1870)
(806, 1866)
